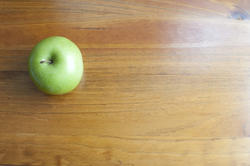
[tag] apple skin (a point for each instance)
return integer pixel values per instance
(56, 65)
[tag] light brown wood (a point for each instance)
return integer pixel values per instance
(166, 83)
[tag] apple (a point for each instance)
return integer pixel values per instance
(56, 65)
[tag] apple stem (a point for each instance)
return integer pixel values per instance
(46, 61)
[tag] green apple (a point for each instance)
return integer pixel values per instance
(56, 65)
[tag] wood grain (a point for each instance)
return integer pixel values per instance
(165, 83)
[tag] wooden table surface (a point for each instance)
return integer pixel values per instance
(166, 83)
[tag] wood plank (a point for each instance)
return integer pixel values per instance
(165, 83)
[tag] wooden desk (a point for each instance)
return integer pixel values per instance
(167, 83)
